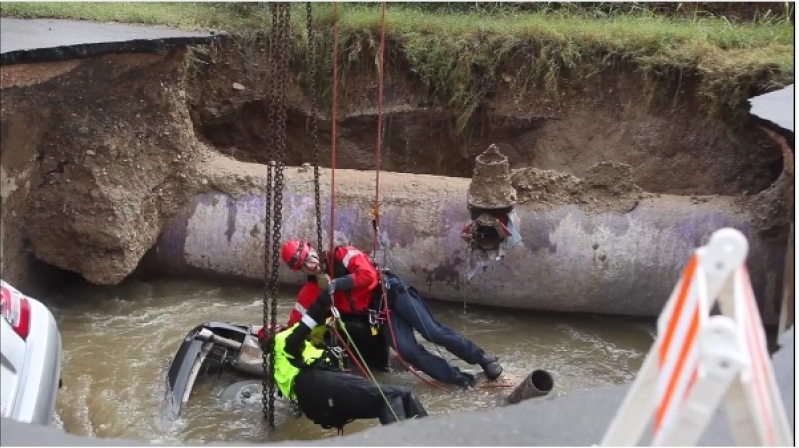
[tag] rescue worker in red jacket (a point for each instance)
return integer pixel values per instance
(356, 288)
(373, 347)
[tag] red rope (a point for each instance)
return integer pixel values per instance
(410, 368)
(396, 350)
(377, 182)
(376, 205)
(334, 138)
(379, 146)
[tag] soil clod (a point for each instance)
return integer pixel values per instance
(608, 186)
(491, 182)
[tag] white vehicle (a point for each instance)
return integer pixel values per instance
(30, 365)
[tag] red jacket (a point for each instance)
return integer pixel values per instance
(347, 260)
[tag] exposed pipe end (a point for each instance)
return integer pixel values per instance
(537, 384)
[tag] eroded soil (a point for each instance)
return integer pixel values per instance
(670, 140)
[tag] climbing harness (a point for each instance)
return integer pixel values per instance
(376, 317)
(278, 51)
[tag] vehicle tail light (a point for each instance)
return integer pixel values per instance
(16, 309)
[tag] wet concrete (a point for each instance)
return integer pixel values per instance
(578, 419)
(573, 259)
(48, 40)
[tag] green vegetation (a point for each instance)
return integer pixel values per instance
(457, 50)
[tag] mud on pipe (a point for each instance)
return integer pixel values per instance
(573, 258)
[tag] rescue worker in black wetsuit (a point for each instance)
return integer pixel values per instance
(327, 395)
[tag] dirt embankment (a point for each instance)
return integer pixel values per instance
(100, 151)
(99, 154)
(599, 114)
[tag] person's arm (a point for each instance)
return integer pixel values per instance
(362, 272)
(295, 342)
(306, 297)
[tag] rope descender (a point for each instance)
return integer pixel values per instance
(336, 314)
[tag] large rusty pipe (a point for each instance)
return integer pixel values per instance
(537, 384)
(573, 258)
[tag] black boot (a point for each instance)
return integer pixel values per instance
(467, 380)
(491, 367)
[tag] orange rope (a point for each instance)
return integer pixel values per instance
(376, 205)
(379, 146)
(334, 138)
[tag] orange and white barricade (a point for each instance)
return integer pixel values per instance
(698, 359)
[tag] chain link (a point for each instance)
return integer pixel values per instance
(279, 51)
(265, 345)
(282, 82)
(314, 123)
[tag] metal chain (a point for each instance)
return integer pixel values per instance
(279, 47)
(281, 81)
(314, 124)
(266, 347)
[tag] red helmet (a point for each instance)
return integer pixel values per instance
(295, 252)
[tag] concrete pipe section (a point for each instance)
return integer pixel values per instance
(574, 257)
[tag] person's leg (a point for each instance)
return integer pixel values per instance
(373, 349)
(333, 399)
(402, 404)
(412, 308)
(400, 332)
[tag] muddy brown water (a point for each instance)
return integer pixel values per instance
(118, 343)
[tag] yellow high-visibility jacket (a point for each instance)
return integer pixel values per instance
(286, 366)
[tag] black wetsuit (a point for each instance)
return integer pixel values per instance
(332, 398)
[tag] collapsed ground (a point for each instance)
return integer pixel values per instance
(94, 166)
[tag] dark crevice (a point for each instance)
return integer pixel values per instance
(48, 280)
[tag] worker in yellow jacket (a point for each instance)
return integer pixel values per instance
(325, 393)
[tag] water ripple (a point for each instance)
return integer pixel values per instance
(118, 344)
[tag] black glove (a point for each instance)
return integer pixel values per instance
(295, 342)
(324, 300)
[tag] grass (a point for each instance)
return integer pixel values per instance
(458, 55)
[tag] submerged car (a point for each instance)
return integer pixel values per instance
(229, 356)
(30, 347)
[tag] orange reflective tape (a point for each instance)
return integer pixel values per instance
(690, 339)
(691, 382)
(682, 297)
